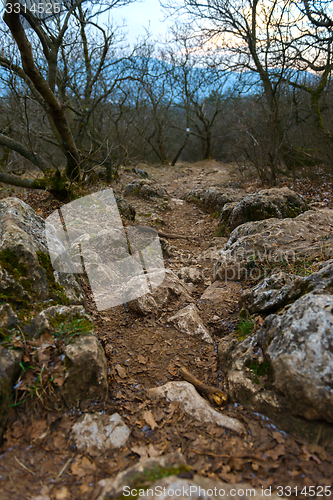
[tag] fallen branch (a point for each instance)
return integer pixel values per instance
(213, 394)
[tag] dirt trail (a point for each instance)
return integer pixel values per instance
(142, 352)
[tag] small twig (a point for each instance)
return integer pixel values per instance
(63, 469)
(24, 467)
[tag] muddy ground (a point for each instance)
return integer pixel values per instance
(38, 461)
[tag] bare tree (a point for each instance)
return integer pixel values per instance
(48, 88)
(251, 33)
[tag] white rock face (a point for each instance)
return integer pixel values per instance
(194, 404)
(98, 432)
(188, 321)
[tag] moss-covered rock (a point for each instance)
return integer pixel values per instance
(125, 209)
(213, 200)
(27, 275)
(144, 188)
(86, 371)
(255, 246)
(277, 203)
(60, 321)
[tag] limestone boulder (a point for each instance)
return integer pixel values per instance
(214, 199)
(59, 319)
(114, 487)
(278, 290)
(195, 405)
(85, 371)
(267, 203)
(287, 365)
(307, 236)
(144, 188)
(172, 479)
(7, 317)
(25, 266)
(191, 274)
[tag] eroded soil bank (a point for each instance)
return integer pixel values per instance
(37, 459)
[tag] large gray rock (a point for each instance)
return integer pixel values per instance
(214, 199)
(86, 371)
(164, 476)
(25, 267)
(221, 292)
(7, 317)
(267, 203)
(281, 289)
(272, 293)
(306, 237)
(79, 372)
(171, 287)
(203, 488)
(144, 188)
(286, 366)
(9, 371)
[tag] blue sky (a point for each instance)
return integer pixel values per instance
(138, 15)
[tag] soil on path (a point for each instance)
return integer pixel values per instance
(37, 459)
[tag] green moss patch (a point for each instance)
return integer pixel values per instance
(56, 290)
(68, 329)
(10, 261)
(141, 482)
(258, 369)
(245, 328)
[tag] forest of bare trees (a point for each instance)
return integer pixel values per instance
(245, 81)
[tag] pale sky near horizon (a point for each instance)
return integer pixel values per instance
(140, 15)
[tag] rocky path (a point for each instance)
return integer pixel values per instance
(38, 460)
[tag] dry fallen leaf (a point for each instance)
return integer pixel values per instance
(121, 371)
(142, 360)
(149, 419)
(38, 428)
(278, 437)
(172, 369)
(62, 493)
(82, 466)
(59, 381)
(319, 450)
(276, 452)
(307, 455)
